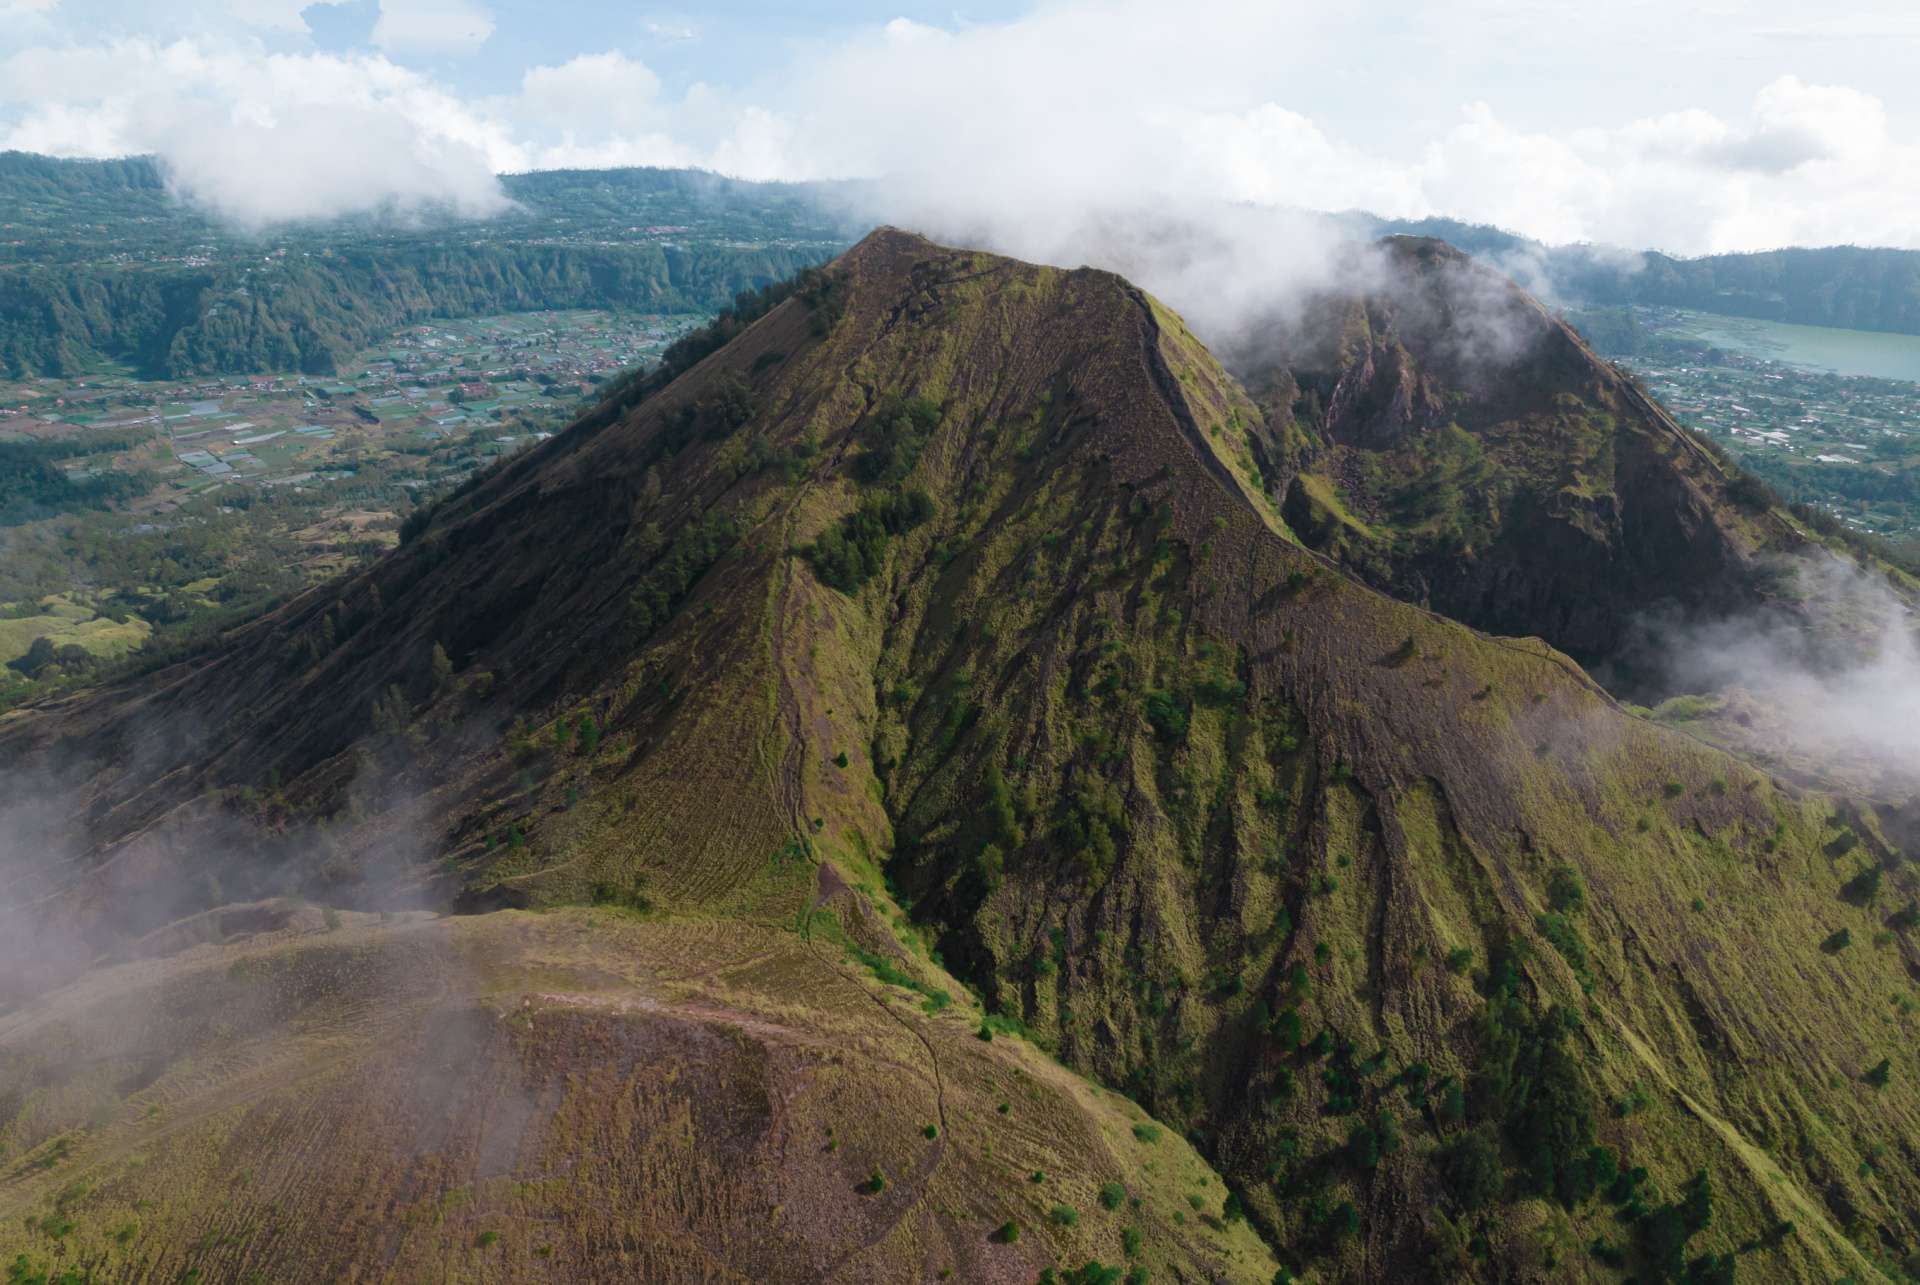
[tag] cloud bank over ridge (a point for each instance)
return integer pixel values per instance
(1115, 102)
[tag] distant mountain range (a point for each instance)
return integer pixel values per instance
(99, 263)
(1851, 286)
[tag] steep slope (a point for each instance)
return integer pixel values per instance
(1449, 441)
(943, 599)
(577, 1096)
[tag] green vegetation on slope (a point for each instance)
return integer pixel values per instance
(1394, 921)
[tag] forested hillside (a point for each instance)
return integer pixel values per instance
(1856, 287)
(307, 314)
(98, 263)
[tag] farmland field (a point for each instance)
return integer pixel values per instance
(233, 490)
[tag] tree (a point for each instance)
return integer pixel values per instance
(1663, 1238)
(1363, 1146)
(1167, 714)
(1711, 1269)
(1342, 1222)
(1880, 1074)
(1696, 1203)
(391, 711)
(730, 459)
(39, 655)
(442, 667)
(894, 438)
(988, 865)
(1863, 887)
(850, 553)
(728, 405)
(1002, 825)
(1564, 890)
(1470, 1166)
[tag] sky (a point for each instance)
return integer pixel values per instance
(1692, 126)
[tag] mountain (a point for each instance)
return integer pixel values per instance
(1851, 286)
(313, 314)
(1448, 440)
(101, 262)
(870, 755)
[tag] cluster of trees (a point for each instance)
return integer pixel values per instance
(853, 550)
(1751, 484)
(1092, 821)
(1531, 1120)
(667, 583)
(42, 654)
(893, 438)
(1812, 480)
(637, 385)
(240, 542)
(33, 486)
(1850, 286)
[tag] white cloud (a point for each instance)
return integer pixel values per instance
(572, 153)
(1031, 124)
(25, 13)
(609, 92)
(1807, 164)
(276, 15)
(598, 111)
(263, 137)
(1127, 102)
(672, 32)
(431, 26)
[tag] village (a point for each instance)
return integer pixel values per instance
(434, 402)
(249, 487)
(1848, 442)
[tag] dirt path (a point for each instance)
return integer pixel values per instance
(931, 1167)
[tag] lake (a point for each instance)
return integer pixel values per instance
(1844, 352)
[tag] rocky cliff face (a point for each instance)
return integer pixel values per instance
(1571, 505)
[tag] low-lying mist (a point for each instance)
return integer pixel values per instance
(1828, 683)
(1226, 268)
(93, 869)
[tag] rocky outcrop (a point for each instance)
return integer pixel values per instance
(1578, 506)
